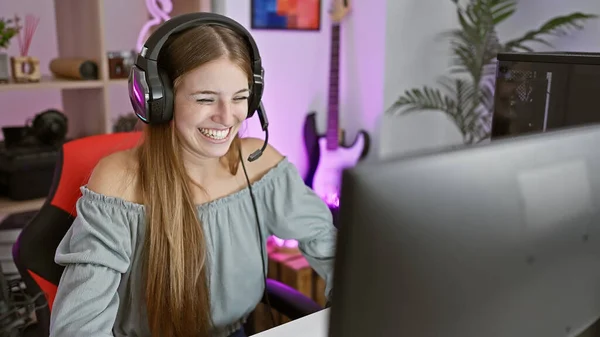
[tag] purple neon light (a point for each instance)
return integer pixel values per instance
(136, 92)
(159, 11)
(284, 243)
(332, 200)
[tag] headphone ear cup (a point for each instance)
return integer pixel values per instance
(168, 97)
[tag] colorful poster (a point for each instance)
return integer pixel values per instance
(286, 14)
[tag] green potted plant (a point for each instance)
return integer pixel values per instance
(466, 95)
(8, 30)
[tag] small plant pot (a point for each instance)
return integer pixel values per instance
(25, 69)
(4, 68)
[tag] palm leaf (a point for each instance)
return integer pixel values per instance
(558, 26)
(502, 10)
(425, 98)
(463, 92)
(476, 43)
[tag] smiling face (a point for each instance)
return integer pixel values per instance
(211, 102)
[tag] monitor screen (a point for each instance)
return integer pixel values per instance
(537, 92)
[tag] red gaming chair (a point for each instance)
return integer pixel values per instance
(34, 250)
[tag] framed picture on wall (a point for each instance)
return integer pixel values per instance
(286, 14)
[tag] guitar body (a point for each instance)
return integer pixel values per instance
(327, 178)
(311, 145)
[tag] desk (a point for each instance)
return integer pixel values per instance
(314, 325)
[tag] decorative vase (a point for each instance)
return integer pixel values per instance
(25, 69)
(4, 68)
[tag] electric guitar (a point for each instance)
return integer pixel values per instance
(333, 155)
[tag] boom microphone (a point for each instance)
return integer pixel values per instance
(264, 122)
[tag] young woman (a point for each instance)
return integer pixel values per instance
(165, 242)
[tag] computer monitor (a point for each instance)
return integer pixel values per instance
(543, 91)
(494, 240)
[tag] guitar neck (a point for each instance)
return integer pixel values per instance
(333, 97)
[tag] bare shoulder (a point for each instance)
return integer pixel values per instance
(269, 159)
(115, 176)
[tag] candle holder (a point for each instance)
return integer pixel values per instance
(25, 69)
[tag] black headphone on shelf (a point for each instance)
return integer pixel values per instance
(47, 128)
(151, 90)
(50, 127)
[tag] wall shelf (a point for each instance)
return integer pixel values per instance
(49, 82)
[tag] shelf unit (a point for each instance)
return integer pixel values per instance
(80, 31)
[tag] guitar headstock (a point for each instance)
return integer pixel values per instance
(339, 10)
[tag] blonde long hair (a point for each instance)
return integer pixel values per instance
(175, 257)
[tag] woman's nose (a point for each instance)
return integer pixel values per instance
(224, 115)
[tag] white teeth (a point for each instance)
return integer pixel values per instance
(215, 134)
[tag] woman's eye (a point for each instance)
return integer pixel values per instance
(204, 100)
(241, 98)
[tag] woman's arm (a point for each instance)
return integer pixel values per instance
(301, 215)
(294, 211)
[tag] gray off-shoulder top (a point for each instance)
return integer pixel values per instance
(100, 292)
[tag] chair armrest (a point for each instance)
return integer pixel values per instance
(289, 301)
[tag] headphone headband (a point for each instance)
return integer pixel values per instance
(156, 41)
